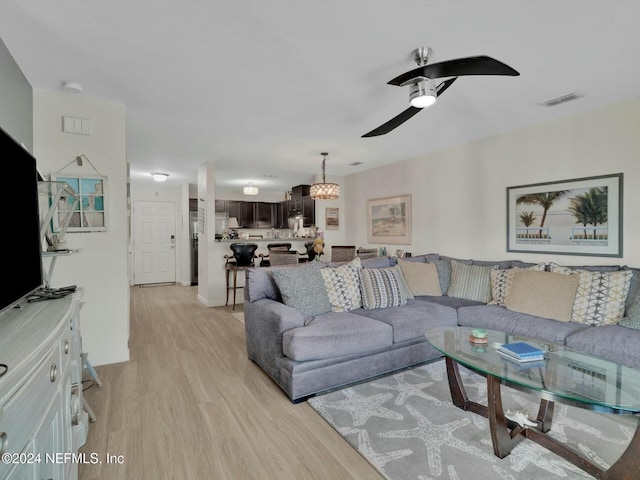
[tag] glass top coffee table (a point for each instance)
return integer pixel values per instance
(564, 376)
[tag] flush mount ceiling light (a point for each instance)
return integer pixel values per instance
(250, 189)
(159, 176)
(72, 87)
(324, 190)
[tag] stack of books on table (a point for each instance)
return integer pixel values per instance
(521, 352)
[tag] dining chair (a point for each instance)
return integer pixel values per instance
(343, 253)
(367, 252)
(264, 257)
(281, 257)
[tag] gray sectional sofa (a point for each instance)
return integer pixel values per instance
(308, 354)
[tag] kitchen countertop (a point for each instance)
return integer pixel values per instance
(268, 240)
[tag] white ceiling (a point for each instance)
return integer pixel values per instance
(262, 87)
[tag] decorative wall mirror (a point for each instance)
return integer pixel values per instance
(90, 213)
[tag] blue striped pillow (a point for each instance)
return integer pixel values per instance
(470, 282)
(382, 287)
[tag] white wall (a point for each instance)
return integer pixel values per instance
(459, 194)
(101, 266)
(16, 100)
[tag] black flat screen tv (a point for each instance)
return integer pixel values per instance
(20, 240)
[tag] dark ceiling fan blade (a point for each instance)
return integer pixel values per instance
(482, 65)
(393, 123)
(440, 89)
(407, 114)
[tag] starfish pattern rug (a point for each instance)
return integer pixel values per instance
(406, 426)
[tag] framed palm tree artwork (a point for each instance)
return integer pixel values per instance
(581, 216)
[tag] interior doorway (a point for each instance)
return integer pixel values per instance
(154, 242)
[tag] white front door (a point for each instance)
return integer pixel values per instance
(154, 242)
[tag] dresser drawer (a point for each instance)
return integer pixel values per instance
(35, 396)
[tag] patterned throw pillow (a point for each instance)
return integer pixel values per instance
(302, 288)
(470, 282)
(343, 286)
(501, 281)
(601, 296)
(382, 287)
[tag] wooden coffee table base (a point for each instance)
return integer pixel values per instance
(506, 434)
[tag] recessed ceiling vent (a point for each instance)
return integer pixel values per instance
(562, 99)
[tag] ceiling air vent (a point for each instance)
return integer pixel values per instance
(562, 99)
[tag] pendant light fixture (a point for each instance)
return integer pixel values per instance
(250, 189)
(324, 190)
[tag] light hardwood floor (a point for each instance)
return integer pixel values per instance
(190, 405)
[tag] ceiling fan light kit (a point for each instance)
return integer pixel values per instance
(423, 91)
(324, 190)
(422, 94)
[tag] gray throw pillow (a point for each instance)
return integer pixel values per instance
(302, 288)
(632, 319)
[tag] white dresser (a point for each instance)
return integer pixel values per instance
(42, 420)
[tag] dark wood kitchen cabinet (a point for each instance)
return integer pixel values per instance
(282, 214)
(265, 215)
(233, 209)
(247, 215)
(257, 215)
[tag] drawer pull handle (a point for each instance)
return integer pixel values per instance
(66, 347)
(3, 442)
(53, 372)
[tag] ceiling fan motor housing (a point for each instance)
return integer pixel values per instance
(423, 93)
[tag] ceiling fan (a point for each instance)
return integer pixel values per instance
(423, 91)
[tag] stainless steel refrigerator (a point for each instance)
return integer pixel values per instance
(193, 237)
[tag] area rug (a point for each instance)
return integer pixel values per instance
(406, 426)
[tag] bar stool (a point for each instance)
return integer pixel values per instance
(242, 258)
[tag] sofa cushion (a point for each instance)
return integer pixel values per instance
(543, 294)
(259, 283)
(373, 262)
(413, 319)
(383, 287)
(632, 318)
(501, 282)
(451, 302)
(343, 286)
(470, 282)
(302, 288)
(422, 278)
(499, 318)
(612, 342)
(502, 264)
(335, 334)
(555, 267)
(634, 287)
(601, 295)
(443, 264)
(378, 262)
